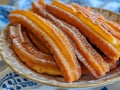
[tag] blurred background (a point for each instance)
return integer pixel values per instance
(113, 5)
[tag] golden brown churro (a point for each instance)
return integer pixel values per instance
(107, 43)
(82, 47)
(30, 55)
(58, 43)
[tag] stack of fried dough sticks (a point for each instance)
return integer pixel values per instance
(66, 40)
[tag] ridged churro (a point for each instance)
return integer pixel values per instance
(55, 39)
(107, 43)
(82, 47)
(30, 55)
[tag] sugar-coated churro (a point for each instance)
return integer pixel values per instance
(57, 42)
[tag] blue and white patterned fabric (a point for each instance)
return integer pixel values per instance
(13, 81)
(9, 80)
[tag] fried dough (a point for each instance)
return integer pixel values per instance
(55, 39)
(82, 48)
(109, 47)
(30, 55)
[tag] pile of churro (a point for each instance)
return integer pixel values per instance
(65, 40)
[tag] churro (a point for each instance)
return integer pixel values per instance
(58, 44)
(104, 40)
(30, 55)
(90, 58)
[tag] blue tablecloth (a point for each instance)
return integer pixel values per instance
(9, 80)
